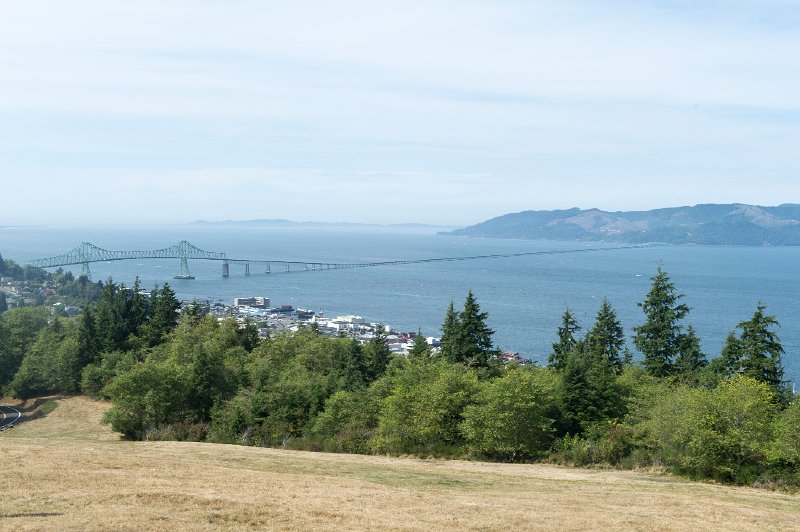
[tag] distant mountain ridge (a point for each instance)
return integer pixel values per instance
(280, 222)
(714, 224)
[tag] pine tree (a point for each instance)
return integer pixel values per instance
(164, 316)
(473, 342)
(757, 352)
(567, 341)
(729, 362)
(690, 358)
(3, 268)
(420, 349)
(450, 330)
(606, 338)
(111, 318)
(88, 340)
(139, 307)
(3, 302)
(589, 391)
(659, 337)
(377, 354)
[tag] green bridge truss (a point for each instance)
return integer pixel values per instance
(87, 253)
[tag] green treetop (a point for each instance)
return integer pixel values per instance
(756, 353)
(420, 348)
(659, 338)
(473, 341)
(567, 341)
(606, 338)
(450, 330)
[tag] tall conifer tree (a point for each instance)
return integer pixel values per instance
(449, 334)
(756, 353)
(567, 342)
(606, 338)
(659, 338)
(474, 337)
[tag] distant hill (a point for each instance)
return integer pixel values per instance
(728, 224)
(280, 222)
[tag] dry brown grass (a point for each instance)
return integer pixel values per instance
(66, 471)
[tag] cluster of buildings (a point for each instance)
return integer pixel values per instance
(28, 293)
(270, 319)
(285, 317)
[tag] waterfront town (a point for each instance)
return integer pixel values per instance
(268, 319)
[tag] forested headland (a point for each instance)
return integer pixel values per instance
(174, 373)
(709, 224)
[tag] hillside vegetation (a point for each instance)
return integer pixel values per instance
(68, 471)
(727, 224)
(176, 373)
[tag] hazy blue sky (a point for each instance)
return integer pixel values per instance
(429, 111)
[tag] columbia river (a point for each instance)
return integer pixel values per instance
(524, 296)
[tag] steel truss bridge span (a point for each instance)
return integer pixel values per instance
(87, 253)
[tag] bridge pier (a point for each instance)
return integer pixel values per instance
(225, 269)
(247, 268)
(268, 268)
(287, 267)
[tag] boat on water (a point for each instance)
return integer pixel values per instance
(184, 277)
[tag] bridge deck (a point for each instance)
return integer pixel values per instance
(88, 253)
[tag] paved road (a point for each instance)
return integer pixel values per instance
(8, 416)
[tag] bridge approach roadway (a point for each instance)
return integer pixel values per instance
(87, 253)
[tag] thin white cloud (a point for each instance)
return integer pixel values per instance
(486, 106)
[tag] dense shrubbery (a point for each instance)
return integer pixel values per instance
(198, 379)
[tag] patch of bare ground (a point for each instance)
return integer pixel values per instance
(67, 471)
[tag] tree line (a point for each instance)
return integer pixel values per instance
(172, 373)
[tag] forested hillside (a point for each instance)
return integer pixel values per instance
(172, 373)
(731, 224)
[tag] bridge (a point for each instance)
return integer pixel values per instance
(87, 253)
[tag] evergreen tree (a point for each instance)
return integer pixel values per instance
(730, 360)
(164, 315)
(377, 354)
(350, 363)
(659, 338)
(139, 307)
(3, 268)
(3, 302)
(111, 318)
(690, 359)
(589, 391)
(473, 339)
(420, 348)
(450, 330)
(756, 353)
(567, 341)
(606, 338)
(88, 344)
(19, 328)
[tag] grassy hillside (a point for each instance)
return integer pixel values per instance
(67, 471)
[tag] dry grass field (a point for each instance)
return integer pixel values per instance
(66, 471)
